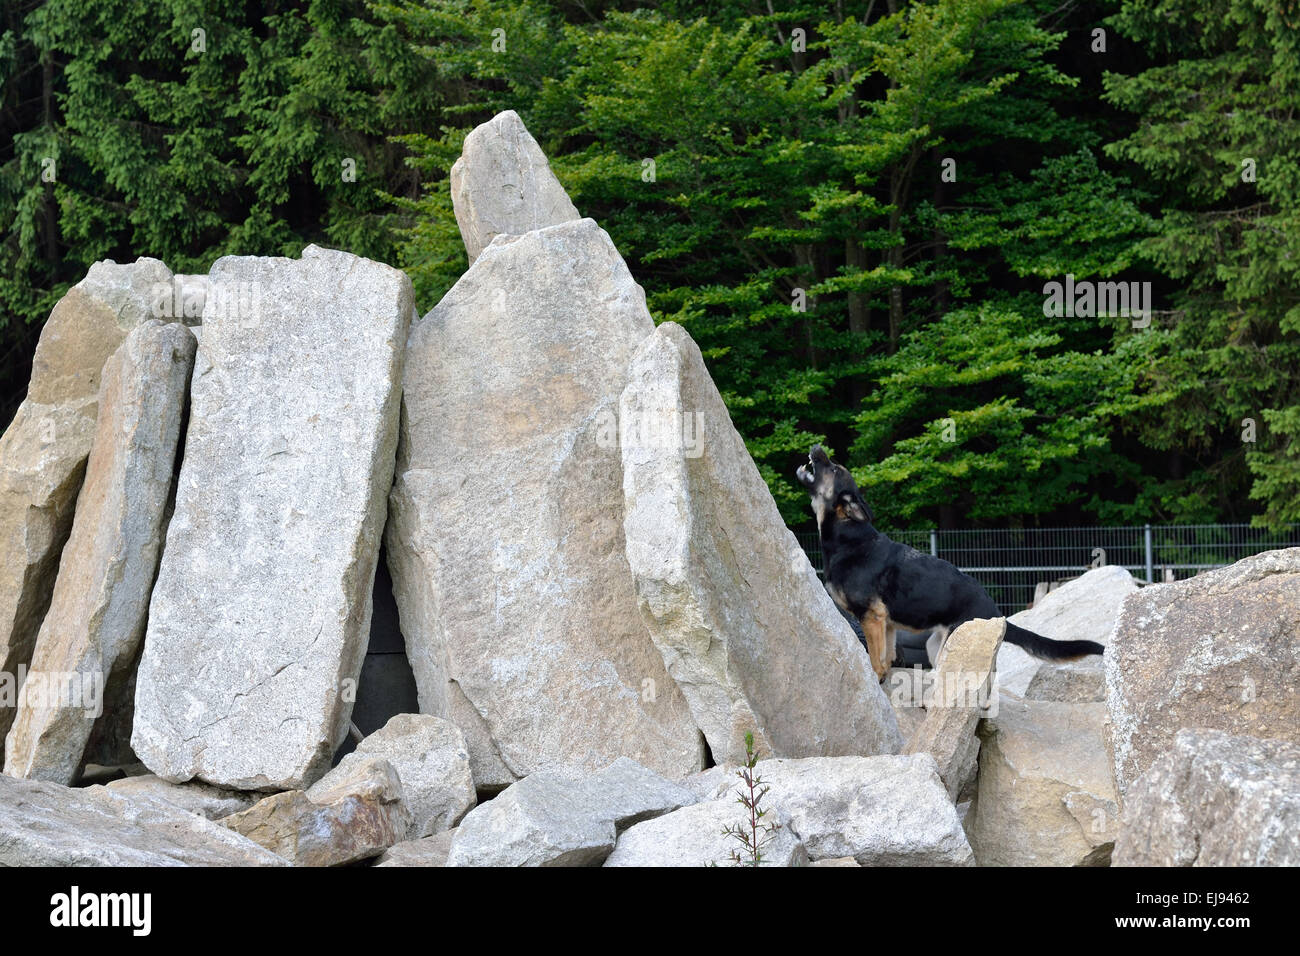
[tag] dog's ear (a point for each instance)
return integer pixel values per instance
(850, 507)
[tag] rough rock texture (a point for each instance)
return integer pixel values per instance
(562, 817)
(542, 820)
(888, 810)
(1044, 796)
(429, 851)
(963, 687)
(1214, 799)
(261, 613)
(352, 813)
(91, 634)
(430, 757)
(1219, 651)
(45, 824)
(1084, 609)
(692, 836)
(628, 793)
(43, 451)
(746, 629)
(503, 185)
(196, 797)
(505, 533)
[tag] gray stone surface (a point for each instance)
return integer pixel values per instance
(1219, 651)
(429, 851)
(207, 801)
(693, 836)
(44, 449)
(505, 536)
(889, 810)
(746, 629)
(261, 612)
(502, 185)
(430, 757)
(1084, 609)
(1044, 796)
(563, 817)
(543, 820)
(90, 638)
(45, 824)
(351, 814)
(1214, 799)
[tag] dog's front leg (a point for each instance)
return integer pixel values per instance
(875, 624)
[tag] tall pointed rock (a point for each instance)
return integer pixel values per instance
(745, 627)
(502, 185)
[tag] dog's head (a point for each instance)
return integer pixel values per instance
(833, 490)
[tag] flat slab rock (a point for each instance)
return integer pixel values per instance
(45, 824)
(1220, 651)
(44, 449)
(261, 612)
(207, 801)
(505, 533)
(745, 627)
(101, 597)
(560, 817)
(1214, 799)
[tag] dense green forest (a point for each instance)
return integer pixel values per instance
(854, 207)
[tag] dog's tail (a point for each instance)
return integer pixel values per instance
(1047, 648)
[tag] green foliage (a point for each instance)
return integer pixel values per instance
(852, 207)
(753, 834)
(1227, 98)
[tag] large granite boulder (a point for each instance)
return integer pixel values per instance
(430, 757)
(888, 810)
(505, 533)
(90, 638)
(45, 824)
(1219, 651)
(1213, 799)
(261, 612)
(44, 449)
(1044, 795)
(354, 812)
(502, 185)
(744, 626)
(1084, 609)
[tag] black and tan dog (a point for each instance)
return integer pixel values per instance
(883, 583)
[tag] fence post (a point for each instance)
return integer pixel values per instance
(934, 542)
(1151, 567)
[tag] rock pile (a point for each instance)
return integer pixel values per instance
(594, 586)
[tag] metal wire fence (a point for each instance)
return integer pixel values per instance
(1013, 563)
